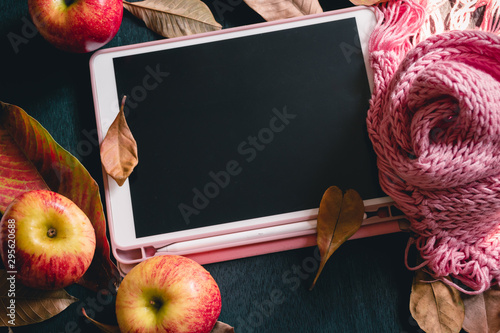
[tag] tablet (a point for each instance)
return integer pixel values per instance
(239, 132)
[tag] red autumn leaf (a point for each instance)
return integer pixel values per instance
(31, 159)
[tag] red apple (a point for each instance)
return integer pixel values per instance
(77, 25)
(168, 294)
(46, 239)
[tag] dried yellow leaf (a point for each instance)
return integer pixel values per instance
(282, 9)
(119, 149)
(435, 306)
(172, 18)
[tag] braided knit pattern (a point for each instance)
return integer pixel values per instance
(434, 122)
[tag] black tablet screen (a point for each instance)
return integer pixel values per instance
(247, 127)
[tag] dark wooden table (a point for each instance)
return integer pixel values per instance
(365, 286)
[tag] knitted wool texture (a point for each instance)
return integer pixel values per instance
(434, 122)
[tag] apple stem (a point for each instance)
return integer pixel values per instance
(51, 233)
(156, 303)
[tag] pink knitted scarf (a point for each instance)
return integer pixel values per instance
(434, 122)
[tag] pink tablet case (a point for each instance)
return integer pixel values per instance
(127, 258)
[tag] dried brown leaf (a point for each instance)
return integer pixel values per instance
(173, 18)
(482, 312)
(339, 217)
(102, 327)
(283, 9)
(367, 2)
(221, 327)
(30, 305)
(119, 149)
(435, 306)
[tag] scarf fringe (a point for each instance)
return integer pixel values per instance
(404, 24)
(398, 22)
(467, 271)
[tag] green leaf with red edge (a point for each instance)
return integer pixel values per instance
(31, 159)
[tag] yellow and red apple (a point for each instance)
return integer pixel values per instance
(168, 294)
(46, 239)
(77, 25)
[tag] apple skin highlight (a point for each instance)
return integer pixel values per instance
(43, 259)
(168, 294)
(79, 26)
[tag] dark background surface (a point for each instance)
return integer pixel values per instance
(365, 286)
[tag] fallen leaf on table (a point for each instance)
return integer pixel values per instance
(173, 18)
(102, 327)
(482, 312)
(30, 305)
(435, 306)
(367, 2)
(339, 217)
(119, 149)
(25, 142)
(221, 327)
(283, 9)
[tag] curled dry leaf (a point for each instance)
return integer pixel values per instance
(221, 327)
(339, 217)
(173, 18)
(283, 9)
(119, 149)
(434, 305)
(30, 305)
(482, 312)
(102, 327)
